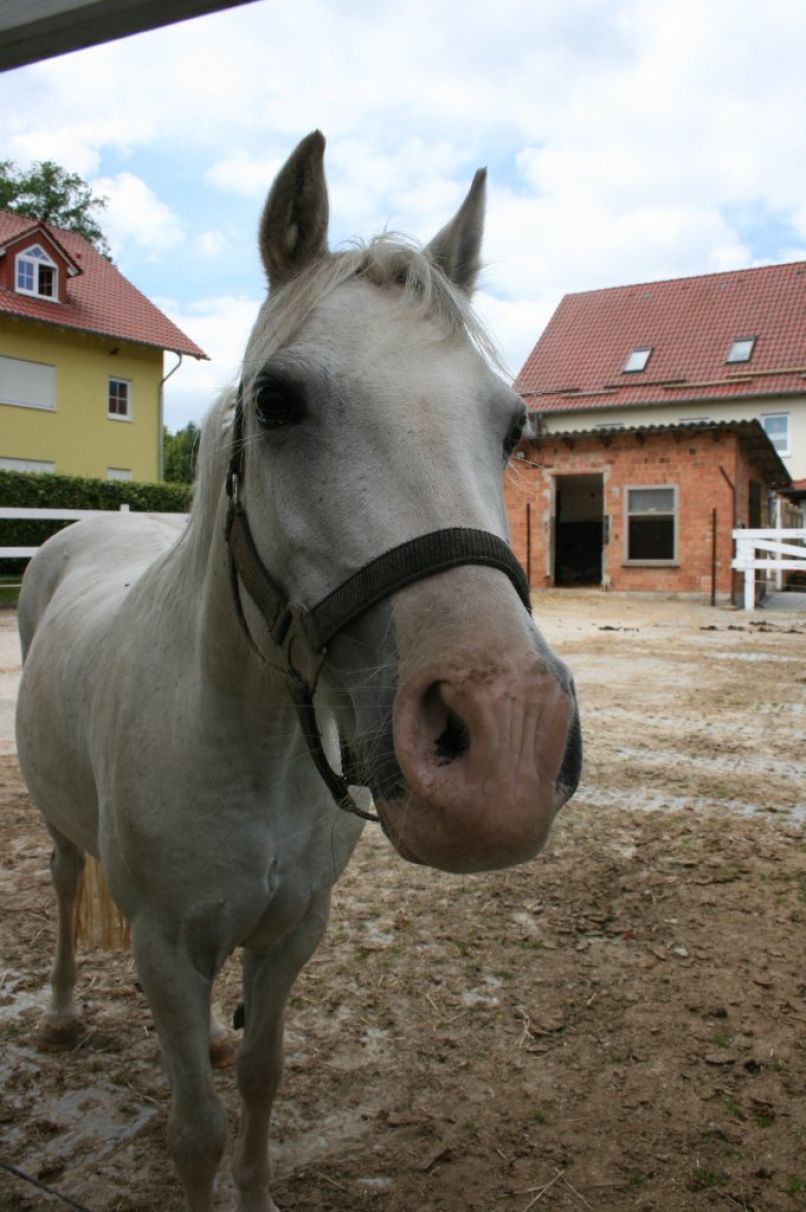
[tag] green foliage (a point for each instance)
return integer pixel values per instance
(50, 194)
(180, 451)
(28, 490)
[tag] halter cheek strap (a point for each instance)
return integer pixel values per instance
(300, 636)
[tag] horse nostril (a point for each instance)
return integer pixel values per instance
(445, 729)
(453, 741)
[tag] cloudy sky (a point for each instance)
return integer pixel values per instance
(627, 140)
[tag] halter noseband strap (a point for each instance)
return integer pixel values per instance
(300, 636)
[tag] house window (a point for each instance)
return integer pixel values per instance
(41, 465)
(27, 384)
(776, 427)
(741, 350)
(120, 399)
(637, 360)
(118, 473)
(37, 274)
(651, 525)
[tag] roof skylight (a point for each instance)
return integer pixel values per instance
(638, 359)
(741, 350)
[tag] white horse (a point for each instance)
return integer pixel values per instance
(347, 539)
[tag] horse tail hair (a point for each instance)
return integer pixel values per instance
(98, 921)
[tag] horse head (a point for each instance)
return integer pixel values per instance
(372, 414)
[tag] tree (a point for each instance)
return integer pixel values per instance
(50, 194)
(180, 451)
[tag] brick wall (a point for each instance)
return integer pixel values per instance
(693, 463)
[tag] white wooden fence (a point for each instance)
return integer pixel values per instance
(55, 515)
(773, 551)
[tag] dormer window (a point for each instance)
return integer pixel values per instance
(741, 350)
(37, 274)
(638, 359)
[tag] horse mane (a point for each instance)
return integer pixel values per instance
(388, 261)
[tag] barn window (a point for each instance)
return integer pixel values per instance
(741, 350)
(37, 274)
(638, 359)
(651, 528)
(120, 399)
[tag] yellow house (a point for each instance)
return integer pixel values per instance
(81, 359)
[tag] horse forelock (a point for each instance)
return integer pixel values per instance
(389, 262)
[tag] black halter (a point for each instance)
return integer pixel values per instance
(300, 636)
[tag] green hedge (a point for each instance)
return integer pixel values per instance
(28, 490)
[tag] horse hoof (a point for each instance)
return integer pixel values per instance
(223, 1052)
(58, 1037)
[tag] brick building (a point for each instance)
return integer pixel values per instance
(639, 508)
(666, 413)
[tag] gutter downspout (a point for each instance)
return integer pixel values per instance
(732, 488)
(160, 410)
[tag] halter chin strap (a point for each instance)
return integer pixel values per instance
(300, 636)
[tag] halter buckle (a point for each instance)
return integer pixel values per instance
(300, 659)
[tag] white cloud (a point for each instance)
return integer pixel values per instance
(220, 325)
(626, 139)
(244, 174)
(211, 244)
(135, 215)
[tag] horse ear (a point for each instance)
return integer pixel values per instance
(293, 227)
(457, 248)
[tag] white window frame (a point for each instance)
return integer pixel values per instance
(129, 413)
(25, 258)
(40, 466)
(740, 349)
(118, 473)
(638, 359)
(778, 416)
(19, 394)
(674, 513)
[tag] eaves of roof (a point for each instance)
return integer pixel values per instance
(751, 434)
(672, 393)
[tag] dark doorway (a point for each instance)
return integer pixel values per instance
(578, 532)
(755, 512)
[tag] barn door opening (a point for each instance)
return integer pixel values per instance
(578, 532)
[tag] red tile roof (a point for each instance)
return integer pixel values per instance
(689, 323)
(99, 299)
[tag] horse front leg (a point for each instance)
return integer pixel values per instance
(60, 1028)
(268, 980)
(179, 996)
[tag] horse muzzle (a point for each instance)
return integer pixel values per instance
(489, 752)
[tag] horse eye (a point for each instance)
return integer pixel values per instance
(277, 404)
(514, 434)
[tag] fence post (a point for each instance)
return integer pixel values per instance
(749, 588)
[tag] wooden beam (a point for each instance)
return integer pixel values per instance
(31, 30)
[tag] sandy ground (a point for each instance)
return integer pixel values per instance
(618, 1025)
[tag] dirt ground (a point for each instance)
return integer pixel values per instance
(618, 1025)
